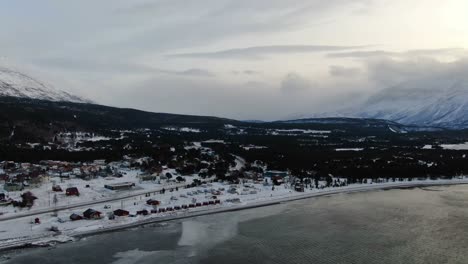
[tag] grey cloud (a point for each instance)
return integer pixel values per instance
(341, 71)
(247, 72)
(92, 65)
(258, 52)
(116, 67)
(244, 100)
(139, 28)
(293, 83)
(195, 72)
(382, 53)
(251, 72)
(186, 24)
(388, 72)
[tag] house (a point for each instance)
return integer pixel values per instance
(299, 187)
(91, 214)
(143, 212)
(75, 217)
(120, 186)
(4, 177)
(13, 186)
(277, 180)
(121, 212)
(76, 171)
(148, 177)
(279, 174)
(57, 188)
(100, 162)
(72, 191)
(35, 181)
(153, 202)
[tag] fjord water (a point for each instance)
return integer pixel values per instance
(419, 225)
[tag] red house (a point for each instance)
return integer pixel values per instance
(153, 202)
(92, 214)
(72, 191)
(121, 212)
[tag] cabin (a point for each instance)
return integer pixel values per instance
(13, 187)
(57, 188)
(121, 212)
(72, 191)
(148, 177)
(120, 186)
(75, 217)
(91, 214)
(280, 174)
(299, 187)
(153, 202)
(143, 212)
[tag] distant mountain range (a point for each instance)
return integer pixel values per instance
(429, 102)
(433, 102)
(17, 84)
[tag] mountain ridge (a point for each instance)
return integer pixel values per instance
(17, 84)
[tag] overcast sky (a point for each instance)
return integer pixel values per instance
(255, 59)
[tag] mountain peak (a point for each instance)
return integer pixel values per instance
(16, 84)
(433, 102)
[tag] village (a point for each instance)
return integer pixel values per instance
(51, 198)
(56, 201)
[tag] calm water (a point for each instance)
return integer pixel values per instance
(428, 225)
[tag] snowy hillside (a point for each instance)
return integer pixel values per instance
(430, 102)
(17, 84)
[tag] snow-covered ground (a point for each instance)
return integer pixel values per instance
(295, 132)
(462, 146)
(248, 195)
(183, 129)
(349, 149)
(94, 192)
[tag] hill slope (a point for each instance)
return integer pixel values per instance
(441, 103)
(17, 84)
(41, 119)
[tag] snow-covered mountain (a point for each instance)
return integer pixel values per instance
(17, 84)
(435, 102)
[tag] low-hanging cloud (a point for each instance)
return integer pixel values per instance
(386, 72)
(342, 71)
(404, 54)
(259, 52)
(294, 83)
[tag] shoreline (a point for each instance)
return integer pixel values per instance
(46, 241)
